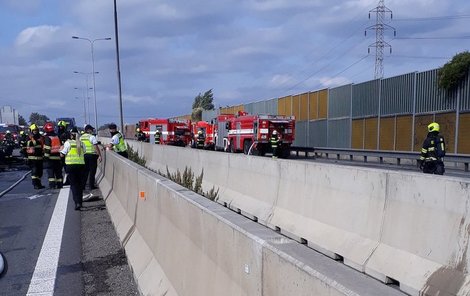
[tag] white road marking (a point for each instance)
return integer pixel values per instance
(43, 280)
(38, 195)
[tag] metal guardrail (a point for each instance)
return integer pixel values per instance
(462, 159)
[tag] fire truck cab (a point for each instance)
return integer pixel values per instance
(207, 129)
(251, 133)
(172, 131)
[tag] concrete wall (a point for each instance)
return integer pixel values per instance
(395, 226)
(180, 243)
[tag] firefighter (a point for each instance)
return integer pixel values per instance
(23, 141)
(62, 132)
(52, 160)
(139, 135)
(73, 152)
(117, 141)
(434, 149)
(64, 135)
(157, 137)
(201, 139)
(92, 156)
(8, 143)
(34, 149)
(275, 142)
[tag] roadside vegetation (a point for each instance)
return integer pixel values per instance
(186, 179)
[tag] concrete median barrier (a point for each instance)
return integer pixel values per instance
(403, 228)
(180, 243)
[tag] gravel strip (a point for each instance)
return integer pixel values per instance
(105, 267)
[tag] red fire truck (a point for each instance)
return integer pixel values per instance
(207, 129)
(172, 131)
(245, 132)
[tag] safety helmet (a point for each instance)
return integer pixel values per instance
(275, 132)
(33, 127)
(21, 132)
(8, 132)
(433, 127)
(199, 132)
(137, 130)
(62, 123)
(48, 127)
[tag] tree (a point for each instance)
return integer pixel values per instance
(21, 120)
(201, 103)
(38, 119)
(453, 72)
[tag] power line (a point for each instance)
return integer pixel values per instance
(419, 57)
(434, 18)
(433, 38)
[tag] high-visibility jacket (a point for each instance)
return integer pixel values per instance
(72, 156)
(52, 147)
(274, 140)
(89, 147)
(34, 148)
(156, 138)
(433, 148)
(121, 146)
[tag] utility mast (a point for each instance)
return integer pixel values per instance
(380, 26)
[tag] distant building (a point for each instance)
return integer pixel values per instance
(8, 115)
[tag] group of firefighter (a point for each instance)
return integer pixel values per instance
(55, 150)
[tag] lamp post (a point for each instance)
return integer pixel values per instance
(92, 42)
(116, 35)
(86, 98)
(87, 88)
(84, 108)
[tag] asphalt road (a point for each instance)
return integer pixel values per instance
(90, 259)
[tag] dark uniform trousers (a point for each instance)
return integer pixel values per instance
(75, 177)
(54, 172)
(91, 163)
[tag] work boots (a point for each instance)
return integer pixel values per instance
(37, 184)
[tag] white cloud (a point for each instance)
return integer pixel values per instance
(36, 36)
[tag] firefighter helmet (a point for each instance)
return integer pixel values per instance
(433, 127)
(199, 132)
(21, 132)
(48, 127)
(33, 127)
(274, 132)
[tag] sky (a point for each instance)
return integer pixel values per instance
(173, 50)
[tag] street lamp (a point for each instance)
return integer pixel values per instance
(84, 108)
(116, 36)
(87, 88)
(92, 42)
(86, 98)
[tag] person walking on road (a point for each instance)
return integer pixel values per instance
(434, 149)
(52, 160)
(34, 149)
(117, 141)
(73, 152)
(157, 137)
(274, 141)
(200, 140)
(92, 156)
